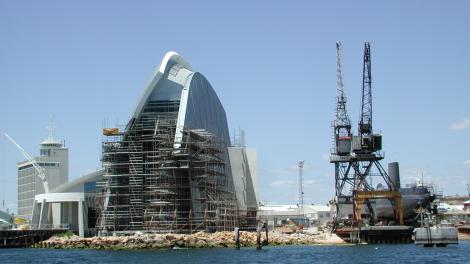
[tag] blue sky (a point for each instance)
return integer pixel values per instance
(272, 63)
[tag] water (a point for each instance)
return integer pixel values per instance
(408, 253)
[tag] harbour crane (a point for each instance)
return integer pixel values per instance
(341, 155)
(357, 157)
(40, 170)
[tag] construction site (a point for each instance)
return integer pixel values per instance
(156, 184)
(168, 170)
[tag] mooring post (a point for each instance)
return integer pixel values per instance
(258, 238)
(237, 238)
(265, 227)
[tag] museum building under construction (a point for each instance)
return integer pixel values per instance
(172, 168)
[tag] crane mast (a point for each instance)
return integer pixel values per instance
(365, 123)
(342, 124)
(366, 142)
(36, 166)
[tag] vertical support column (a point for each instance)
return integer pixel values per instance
(42, 214)
(258, 238)
(35, 217)
(81, 231)
(265, 227)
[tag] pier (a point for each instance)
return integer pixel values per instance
(377, 234)
(386, 234)
(25, 238)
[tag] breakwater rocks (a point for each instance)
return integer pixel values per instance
(168, 241)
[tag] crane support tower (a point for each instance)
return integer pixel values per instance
(357, 157)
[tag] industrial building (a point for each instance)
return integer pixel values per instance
(278, 215)
(53, 159)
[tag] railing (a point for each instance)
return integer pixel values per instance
(49, 227)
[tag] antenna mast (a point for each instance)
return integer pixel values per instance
(301, 187)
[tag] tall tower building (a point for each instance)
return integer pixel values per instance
(54, 159)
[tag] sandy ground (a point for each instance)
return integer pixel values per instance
(329, 239)
(463, 236)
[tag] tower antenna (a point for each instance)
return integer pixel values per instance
(300, 164)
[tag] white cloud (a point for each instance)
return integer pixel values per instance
(410, 175)
(309, 183)
(462, 124)
(467, 163)
(282, 183)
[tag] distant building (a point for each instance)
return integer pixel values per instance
(456, 216)
(54, 159)
(278, 215)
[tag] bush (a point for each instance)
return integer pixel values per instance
(67, 233)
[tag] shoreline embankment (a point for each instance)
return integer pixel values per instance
(196, 240)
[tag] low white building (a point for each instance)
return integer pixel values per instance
(71, 205)
(278, 215)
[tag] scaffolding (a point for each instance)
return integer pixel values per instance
(155, 183)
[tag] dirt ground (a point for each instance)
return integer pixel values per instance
(463, 236)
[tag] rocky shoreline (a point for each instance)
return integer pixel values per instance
(172, 241)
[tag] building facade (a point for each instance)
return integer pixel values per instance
(311, 215)
(53, 159)
(169, 169)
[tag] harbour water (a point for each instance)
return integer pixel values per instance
(401, 253)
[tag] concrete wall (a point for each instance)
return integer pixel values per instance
(243, 174)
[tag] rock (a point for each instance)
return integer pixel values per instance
(196, 240)
(201, 244)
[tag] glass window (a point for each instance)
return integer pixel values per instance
(90, 187)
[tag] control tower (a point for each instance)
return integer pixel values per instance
(53, 157)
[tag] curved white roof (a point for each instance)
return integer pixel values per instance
(93, 176)
(170, 59)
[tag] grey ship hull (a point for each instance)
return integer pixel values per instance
(413, 198)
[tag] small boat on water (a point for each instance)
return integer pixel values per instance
(439, 235)
(432, 232)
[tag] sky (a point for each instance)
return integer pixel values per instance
(272, 64)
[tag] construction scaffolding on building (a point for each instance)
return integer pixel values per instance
(155, 182)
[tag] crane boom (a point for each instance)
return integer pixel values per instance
(36, 166)
(342, 123)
